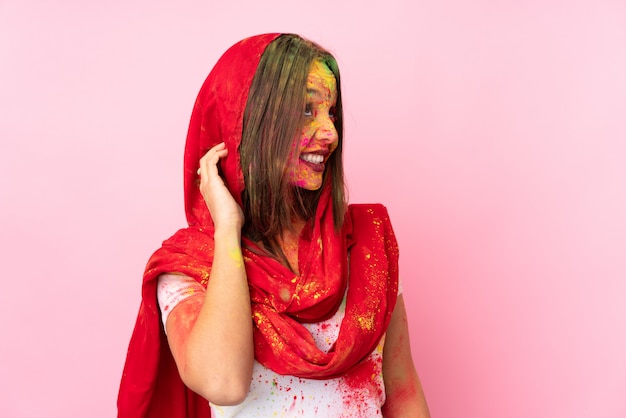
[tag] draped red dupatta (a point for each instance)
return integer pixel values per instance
(359, 262)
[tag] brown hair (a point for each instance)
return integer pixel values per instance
(272, 120)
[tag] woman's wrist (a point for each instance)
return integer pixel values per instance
(226, 232)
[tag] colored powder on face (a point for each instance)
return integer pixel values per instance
(319, 125)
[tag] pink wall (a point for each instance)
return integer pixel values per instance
(494, 133)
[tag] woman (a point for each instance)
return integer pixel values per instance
(271, 238)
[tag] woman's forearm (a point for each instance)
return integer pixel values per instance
(405, 396)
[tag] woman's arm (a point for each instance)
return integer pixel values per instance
(210, 335)
(405, 397)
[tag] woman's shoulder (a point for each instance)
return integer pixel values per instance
(368, 210)
(191, 241)
(370, 221)
(189, 251)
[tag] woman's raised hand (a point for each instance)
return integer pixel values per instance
(225, 211)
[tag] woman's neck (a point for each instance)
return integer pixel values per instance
(289, 243)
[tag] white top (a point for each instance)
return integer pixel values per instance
(359, 394)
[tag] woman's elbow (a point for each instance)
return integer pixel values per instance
(219, 390)
(226, 393)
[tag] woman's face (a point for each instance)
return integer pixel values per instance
(318, 138)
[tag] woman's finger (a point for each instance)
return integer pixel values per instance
(208, 163)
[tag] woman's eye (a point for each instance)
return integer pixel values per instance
(333, 114)
(308, 111)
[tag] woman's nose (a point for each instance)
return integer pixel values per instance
(327, 131)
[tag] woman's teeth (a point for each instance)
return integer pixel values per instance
(313, 158)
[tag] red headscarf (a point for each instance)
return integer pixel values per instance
(365, 250)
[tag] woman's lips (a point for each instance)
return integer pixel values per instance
(313, 160)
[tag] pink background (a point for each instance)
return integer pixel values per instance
(493, 131)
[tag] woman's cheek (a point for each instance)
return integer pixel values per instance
(305, 139)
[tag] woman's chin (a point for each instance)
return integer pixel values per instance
(308, 184)
(309, 187)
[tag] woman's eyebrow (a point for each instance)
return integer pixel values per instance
(316, 93)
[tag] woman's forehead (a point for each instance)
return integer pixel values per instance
(321, 80)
